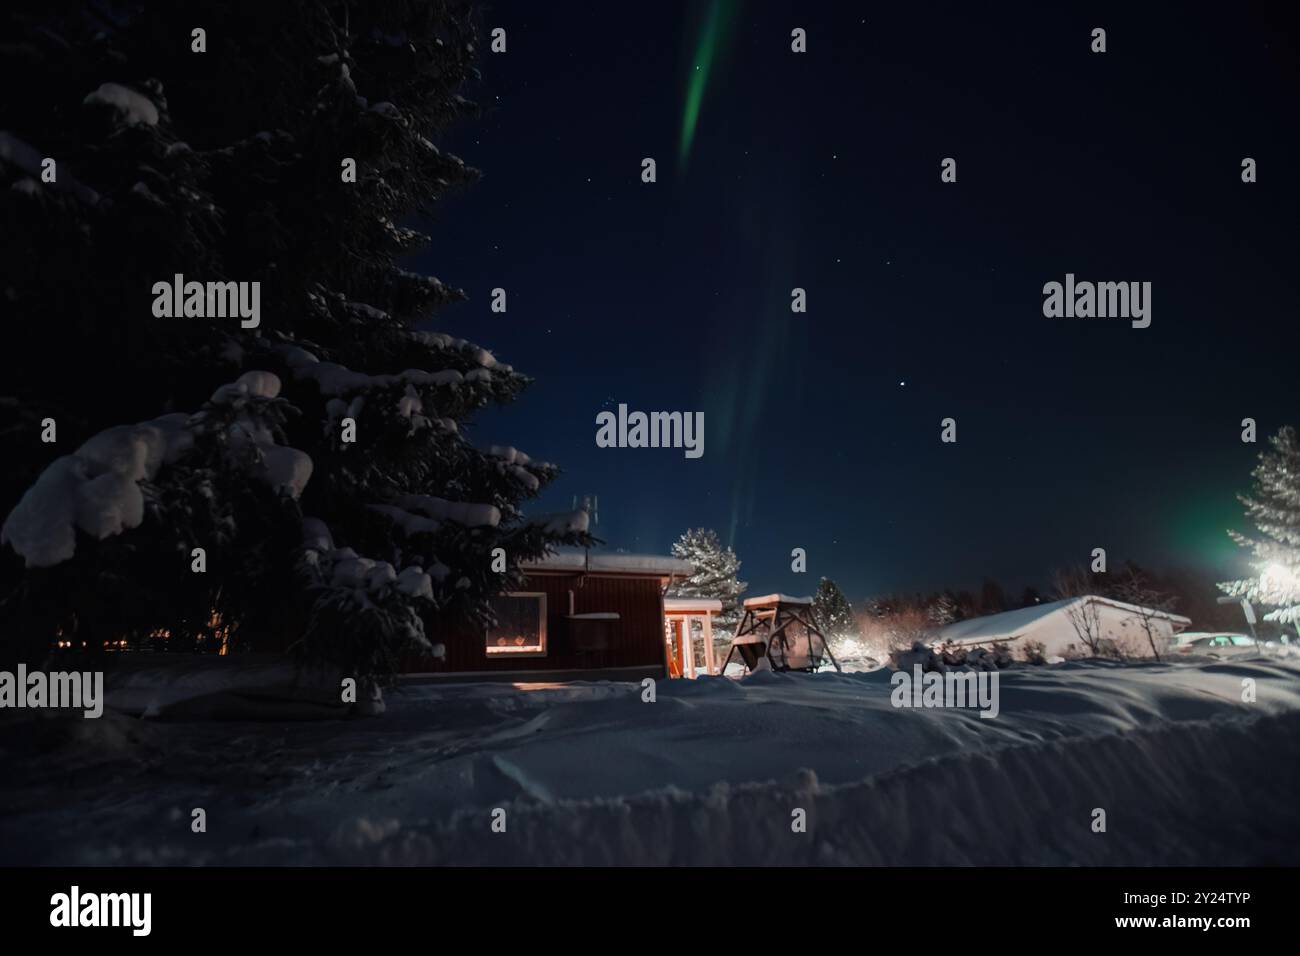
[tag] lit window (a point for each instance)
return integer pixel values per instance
(521, 625)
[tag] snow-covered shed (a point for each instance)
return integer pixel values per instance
(1065, 627)
(579, 614)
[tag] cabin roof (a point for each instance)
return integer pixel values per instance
(610, 562)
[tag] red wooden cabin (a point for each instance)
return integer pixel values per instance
(577, 616)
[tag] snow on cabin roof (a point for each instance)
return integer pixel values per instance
(776, 599)
(616, 562)
(682, 604)
(1009, 624)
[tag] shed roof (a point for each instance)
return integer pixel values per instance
(1009, 624)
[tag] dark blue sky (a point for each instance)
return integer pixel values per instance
(822, 171)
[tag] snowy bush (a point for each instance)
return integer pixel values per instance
(947, 655)
(918, 653)
(1034, 652)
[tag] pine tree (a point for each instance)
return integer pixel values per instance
(832, 611)
(1273, 507)
(231, 165)
(715, 576)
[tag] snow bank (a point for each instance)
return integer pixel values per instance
(224, 688)
(1022, 807)
(710, 773)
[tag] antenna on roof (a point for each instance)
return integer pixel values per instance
(591, 505)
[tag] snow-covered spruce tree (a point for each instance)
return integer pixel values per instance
(832, 611)
(1273, 506)
(133, 150)
(716, 568)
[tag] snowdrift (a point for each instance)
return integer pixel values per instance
(1187, 771)
(246, 687)
(1199, 793)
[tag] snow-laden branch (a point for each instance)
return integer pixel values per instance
(97, 489)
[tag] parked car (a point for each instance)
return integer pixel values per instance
(1217, 644)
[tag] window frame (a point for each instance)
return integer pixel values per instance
(506, 653)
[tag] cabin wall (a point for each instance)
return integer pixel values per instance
(636, 641)
(1059, 636)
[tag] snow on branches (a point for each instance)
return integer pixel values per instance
(715, 574)
(365, 614)
(98, 488)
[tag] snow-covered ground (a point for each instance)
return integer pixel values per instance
(712, 772)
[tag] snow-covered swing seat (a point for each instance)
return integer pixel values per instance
(778, 632)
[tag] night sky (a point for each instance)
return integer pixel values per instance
(821, 170)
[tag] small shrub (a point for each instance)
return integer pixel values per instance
(1035, 652)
